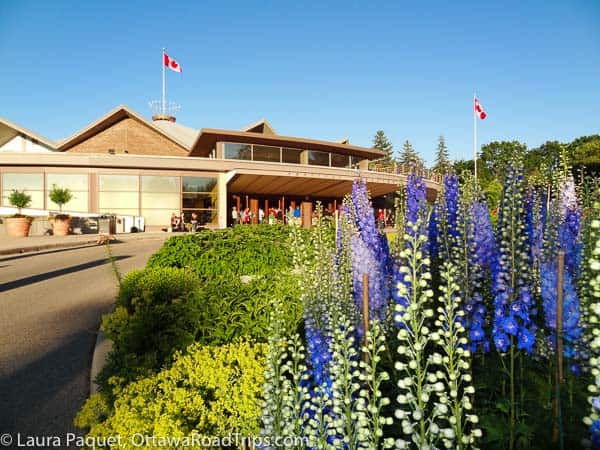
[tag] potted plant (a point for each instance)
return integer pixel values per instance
(62, 222)
(18, 225)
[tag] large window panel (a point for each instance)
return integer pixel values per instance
(266, 153)
(199, 201)
(237, 151)
(290, 155)
(160, 200)
(318, 158)
(198, 184)
(160, 184)
(23, 181)
(72, 181)
(119, 182)
(158, 216)
(338, 160)
(107, 201)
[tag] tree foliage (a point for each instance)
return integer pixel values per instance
(409, 155)
(381, 142)
(442, 159)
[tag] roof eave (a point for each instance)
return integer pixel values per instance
(343, 148)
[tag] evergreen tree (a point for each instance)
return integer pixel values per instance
(381, 142)
(442, 159)
(409, 156)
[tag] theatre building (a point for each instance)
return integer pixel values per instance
(127, 165)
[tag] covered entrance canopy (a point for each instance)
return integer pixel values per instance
(312, 185)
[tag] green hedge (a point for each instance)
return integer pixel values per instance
(178, 299)
(241, 250)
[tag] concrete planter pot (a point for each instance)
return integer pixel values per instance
(61, 225)
(18, 226)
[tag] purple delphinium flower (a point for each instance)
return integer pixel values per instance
(319, 356)
(481, 248)
(451, 196)
(563, 233)
(416, 204)
(572, 330)
(369, 253)
(511, 270)
(481, 236)
(433, 231)
(416, 213)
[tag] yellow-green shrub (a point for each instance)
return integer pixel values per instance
(209, 390)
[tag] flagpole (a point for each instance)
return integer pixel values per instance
(164, 90)
(475, 135)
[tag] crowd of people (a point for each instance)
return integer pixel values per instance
(272, 215)
(293, 216)
(178, 223)
(385, 217)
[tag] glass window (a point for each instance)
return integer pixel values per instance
(237, 151)
(355, 160)
(338, 160)
(119, 183)
(158, 216)
(37, 198)
(198, 201)
(22, 181)
(71, 181)
(78, 203)
(204, 215)
(318, 158)
(160, 184)
(290, 155)
(160, 200)
(120, 211)
(266, 153)
(198, 184)
(118, 200)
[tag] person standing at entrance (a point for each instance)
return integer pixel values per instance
(261, 215)
(194, 222)
(235, 216)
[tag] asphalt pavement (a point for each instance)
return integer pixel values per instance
(51, 303)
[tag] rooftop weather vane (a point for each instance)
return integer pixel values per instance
(162, 106)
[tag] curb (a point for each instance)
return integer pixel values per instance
(38, 248)
(101, 350)
(94, 240)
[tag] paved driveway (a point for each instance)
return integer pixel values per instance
(50, 308)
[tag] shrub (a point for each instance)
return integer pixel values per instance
(211, 391)
(60, 196)
(156, 314)
(248, 250)
(20, 200)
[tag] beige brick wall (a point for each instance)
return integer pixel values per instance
(129, 136)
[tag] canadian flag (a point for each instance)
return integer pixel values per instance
(479, 110)
(171, 63)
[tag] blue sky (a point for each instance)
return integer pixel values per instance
(324, 70)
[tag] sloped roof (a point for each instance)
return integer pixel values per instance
(116, 115)
(8, 130)
(261, 126)
(187, 135)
